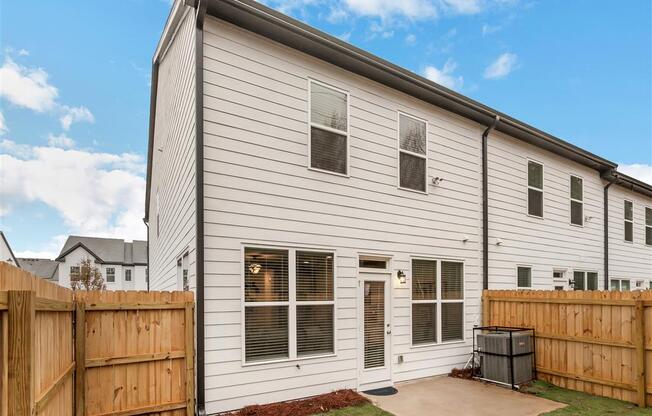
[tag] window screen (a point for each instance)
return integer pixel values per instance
(314, 276)
(591, 281)
(625, 285)
(535, 189)
(424, 280)
(266, 333)
(577, 200)
(314, 329)
(424, 323)
(266, 275)
(424, 290)
(524, 278)
(648, 226)
(412, 153)
(127, 275)
(328, 129)
(629, 221)
(110, 274)
(578, 280)
(452, 321)
(74, 272)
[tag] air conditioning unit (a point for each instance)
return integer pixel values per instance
(496, 363)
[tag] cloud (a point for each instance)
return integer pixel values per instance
(3, 125)
(502, 66)
(26, 87)
(15, 149)
(445, 75)
(488, 29)
(99, 194)
(463, 6)
(410, 39)
(48, 250)
(23, 52)
(640, 171)
(61, 141)
(385, 9)
(75, 114)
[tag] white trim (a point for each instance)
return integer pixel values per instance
(400, 113)
(346, 133)
(542, 190)
(291, 303)
(580, 201)
(525, 266)
(625, 220)
(645, 208)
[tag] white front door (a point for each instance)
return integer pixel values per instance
(375, 331)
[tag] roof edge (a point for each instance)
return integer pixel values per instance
(62, 255)
(9, 247)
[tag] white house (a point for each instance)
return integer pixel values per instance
(338, 216)
(6, 254)
(123, 264)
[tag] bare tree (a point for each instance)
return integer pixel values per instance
(87, 277)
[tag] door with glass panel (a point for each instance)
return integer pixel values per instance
(376, 331)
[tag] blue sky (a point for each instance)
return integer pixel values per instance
(75, 79)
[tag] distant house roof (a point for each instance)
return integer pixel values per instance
(44, 268)
(108, 250)
(11, 253)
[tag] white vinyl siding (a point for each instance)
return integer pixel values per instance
(576, 200)
(172, 206)
(535, 198)
(259, 193)
(628, 209)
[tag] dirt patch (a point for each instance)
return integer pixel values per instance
(305, 407)
(465, 373)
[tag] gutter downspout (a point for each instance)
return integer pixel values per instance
(201, 7)
(609, 177)
(485, 204)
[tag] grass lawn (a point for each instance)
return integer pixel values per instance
(582, 404)
(364, 410)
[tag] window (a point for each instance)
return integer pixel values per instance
(274, 315)
(372, 263)
(629, 221)
(648, 226)
(437, 291)
(576, 200)
(412, 153)
(128, 275)
(74, 273)
(110, 274)
(328, 128)
(158, 222)
(535, 189)
(585, 280)
(524, 277)
(620, 284)
(183, 282)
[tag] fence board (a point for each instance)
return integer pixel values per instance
(597, 342)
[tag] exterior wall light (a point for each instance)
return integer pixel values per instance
(401, 277)
(254, 268)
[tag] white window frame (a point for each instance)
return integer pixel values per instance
(439, 301)
(129, 272)
(399, 151)
(542, 190)
(525, 266)
(620, 284)
(70, 275)
(629, 221)
(585, 278)
(646, 208)
(580, 201)
(107, 274)
(291, 303)
(346, 133)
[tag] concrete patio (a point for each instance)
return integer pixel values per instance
(452, 396)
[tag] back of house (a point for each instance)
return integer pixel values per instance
(331, 213)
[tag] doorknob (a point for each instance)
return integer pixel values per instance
(389, 332)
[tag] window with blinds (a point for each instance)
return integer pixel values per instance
(524, 277)
(576, 200)
(328, 128)
(535, 189)
(412, 153)
(315, 302)
(437, 301)
(274, 315)
(374, 324)
(629, 221)
(648, 226)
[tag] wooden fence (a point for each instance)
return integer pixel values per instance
(597, 342)
(93, 353)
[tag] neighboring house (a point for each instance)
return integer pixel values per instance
(338, 216)
(6, 254)
(44, 268)
(123, 264)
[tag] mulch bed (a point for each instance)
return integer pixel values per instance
(305, 407)
(465, 373)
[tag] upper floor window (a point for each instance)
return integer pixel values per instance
(629, 221)
(648, 226)
(329, 126)
(577, 200)
(524, 277)
(128, 275)
(535, 189)
(110, 274)
(74, 273)
(413, 158)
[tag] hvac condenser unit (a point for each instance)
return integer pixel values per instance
(499, 362)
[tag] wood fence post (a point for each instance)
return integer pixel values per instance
(190, 358)
(639, 331)
(485, 308)
(80, 357)
(22, 333)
